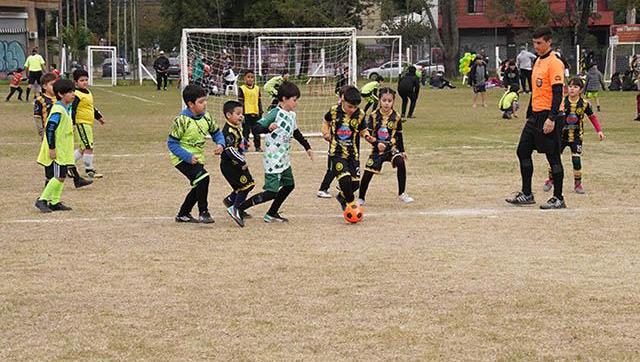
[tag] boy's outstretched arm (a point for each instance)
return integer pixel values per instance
(265, 124)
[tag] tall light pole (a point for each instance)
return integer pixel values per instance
(85, 14)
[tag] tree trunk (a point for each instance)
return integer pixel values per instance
(583, 24)
(450, 35)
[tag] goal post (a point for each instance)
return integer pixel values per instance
(396, 44)
(624, 46)
(314, 58)
(106, 56)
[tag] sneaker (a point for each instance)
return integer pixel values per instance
(43, 206)
(205, 218)
(59, 207)
(79, 182)
(92, 174)
(274, 218)
(244, 215)
(405, 198)
(553, 203)
(235, 215)
(361, 202)
(579, 189)
(259, 149)
(548, 185)
(521, 199)
(323, 194)
(637, 118)
(342, 201)
(186, 218)
(227, 203)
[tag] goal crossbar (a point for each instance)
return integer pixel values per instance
(114, 63)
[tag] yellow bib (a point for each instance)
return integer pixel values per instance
(63, 137)
(84, 112)
(251, 99)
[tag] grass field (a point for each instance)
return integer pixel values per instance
(457, 275)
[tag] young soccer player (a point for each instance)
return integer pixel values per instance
(186, 144)
(478, 77)
(343, 125)
(14, 84)
(370, 93)
(41, 109)
(84, 114)
(55, 70)
(249, 98)
(280, 124)
(323, 192)
(575, 108)
(272, 85)
(56, 150)
(386, 126)
(593, 82)
(233, 164)
(509, 103)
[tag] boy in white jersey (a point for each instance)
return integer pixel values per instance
(280, 125)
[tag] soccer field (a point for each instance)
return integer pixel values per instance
(456, 275)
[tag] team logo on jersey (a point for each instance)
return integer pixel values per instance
(557, 78)
(383, 133)
(354, 123)
(339, 166)
(370, 162)
(572, 119)
(344, 132)
(539, 82)
(243, 179)
(390, 124)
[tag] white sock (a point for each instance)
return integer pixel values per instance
(77, 154)
(88, 161)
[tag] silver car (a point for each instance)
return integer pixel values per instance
(386, 70)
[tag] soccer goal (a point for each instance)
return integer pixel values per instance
(102, 65)
(314, 58)
(624, 45)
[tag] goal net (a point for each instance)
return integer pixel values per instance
(622, 54)
(314, 58)
(100, 65)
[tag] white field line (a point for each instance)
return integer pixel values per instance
(454, 213)
(132, 97)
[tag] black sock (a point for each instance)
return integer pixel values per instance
(202, 193)
(402, 178)
(280, 197)
(346, 189)
(189, 201)
(557, 172)
(526, 172)
(257, 199)
(364, 183)
(28, 91)
(240, 197)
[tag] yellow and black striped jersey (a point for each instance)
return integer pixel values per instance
(386, 127)
(345, 132)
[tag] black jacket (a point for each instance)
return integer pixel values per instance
(409, 85)
(161, 64)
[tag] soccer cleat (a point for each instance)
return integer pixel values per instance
(92, 174)
(637, 118)
(274, 218)
(323, 194)
(548, 185)
(405, 198)
(244, 215)
(59, 207)
(521, 199)
(235, 215)
(598, 108)
(79, 182)
(205, 218)
(43, 206)
(342, 201)
(227, 202)
(553, 204)
(361, 202)
(579, 189)
(186, 218)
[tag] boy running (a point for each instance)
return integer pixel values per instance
(370, 93)
(280, 124)
(186, 144)
(14, 84)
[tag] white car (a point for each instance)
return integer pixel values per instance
(427, 68)
(386, 70)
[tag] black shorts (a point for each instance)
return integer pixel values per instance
(375, 161)
(195, 173)
(342, 167)
(34, 77)
(534, 138)
(575, 146)
(239, 179)
(479, 88)
(55, 170)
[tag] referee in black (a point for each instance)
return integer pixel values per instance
(542, 131)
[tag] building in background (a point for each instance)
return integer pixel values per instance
(23, 26)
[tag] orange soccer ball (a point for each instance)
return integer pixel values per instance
(353, 213)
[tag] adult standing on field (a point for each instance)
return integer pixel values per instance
(161, 65)
(34, 66)
(524, 62)
(408, 90)
(544, 124)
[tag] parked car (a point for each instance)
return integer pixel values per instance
(174, 67)
(386, 70)
(427, 68)
(122, 68)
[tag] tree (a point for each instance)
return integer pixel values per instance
(77, 38)
(447, 37)
(625, 10)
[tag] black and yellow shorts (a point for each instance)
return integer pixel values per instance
(375, 161)
(342, 167)
(84, 136)
(238, 178)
